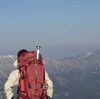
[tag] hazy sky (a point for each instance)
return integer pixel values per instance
(62, 27)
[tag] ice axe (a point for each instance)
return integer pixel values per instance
(38, 51)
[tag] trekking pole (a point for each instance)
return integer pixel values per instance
(38, 51)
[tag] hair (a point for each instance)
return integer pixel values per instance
(21, 52)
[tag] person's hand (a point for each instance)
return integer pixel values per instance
(49, 97)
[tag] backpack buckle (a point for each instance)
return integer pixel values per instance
(35, 89)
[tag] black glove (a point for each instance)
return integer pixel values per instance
(12, 98)
(49, 97)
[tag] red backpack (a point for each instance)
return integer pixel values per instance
(32, 77)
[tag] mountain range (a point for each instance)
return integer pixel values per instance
(76, 77)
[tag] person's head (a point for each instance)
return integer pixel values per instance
(18, 55)
(21, 52)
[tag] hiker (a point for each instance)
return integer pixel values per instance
(14, 76)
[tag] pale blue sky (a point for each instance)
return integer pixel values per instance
(62, 27)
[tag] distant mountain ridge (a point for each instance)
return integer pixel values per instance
(75, 77)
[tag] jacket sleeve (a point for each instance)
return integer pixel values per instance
(12, 81)
(49, 85)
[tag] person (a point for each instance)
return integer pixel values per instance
(13, 80)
